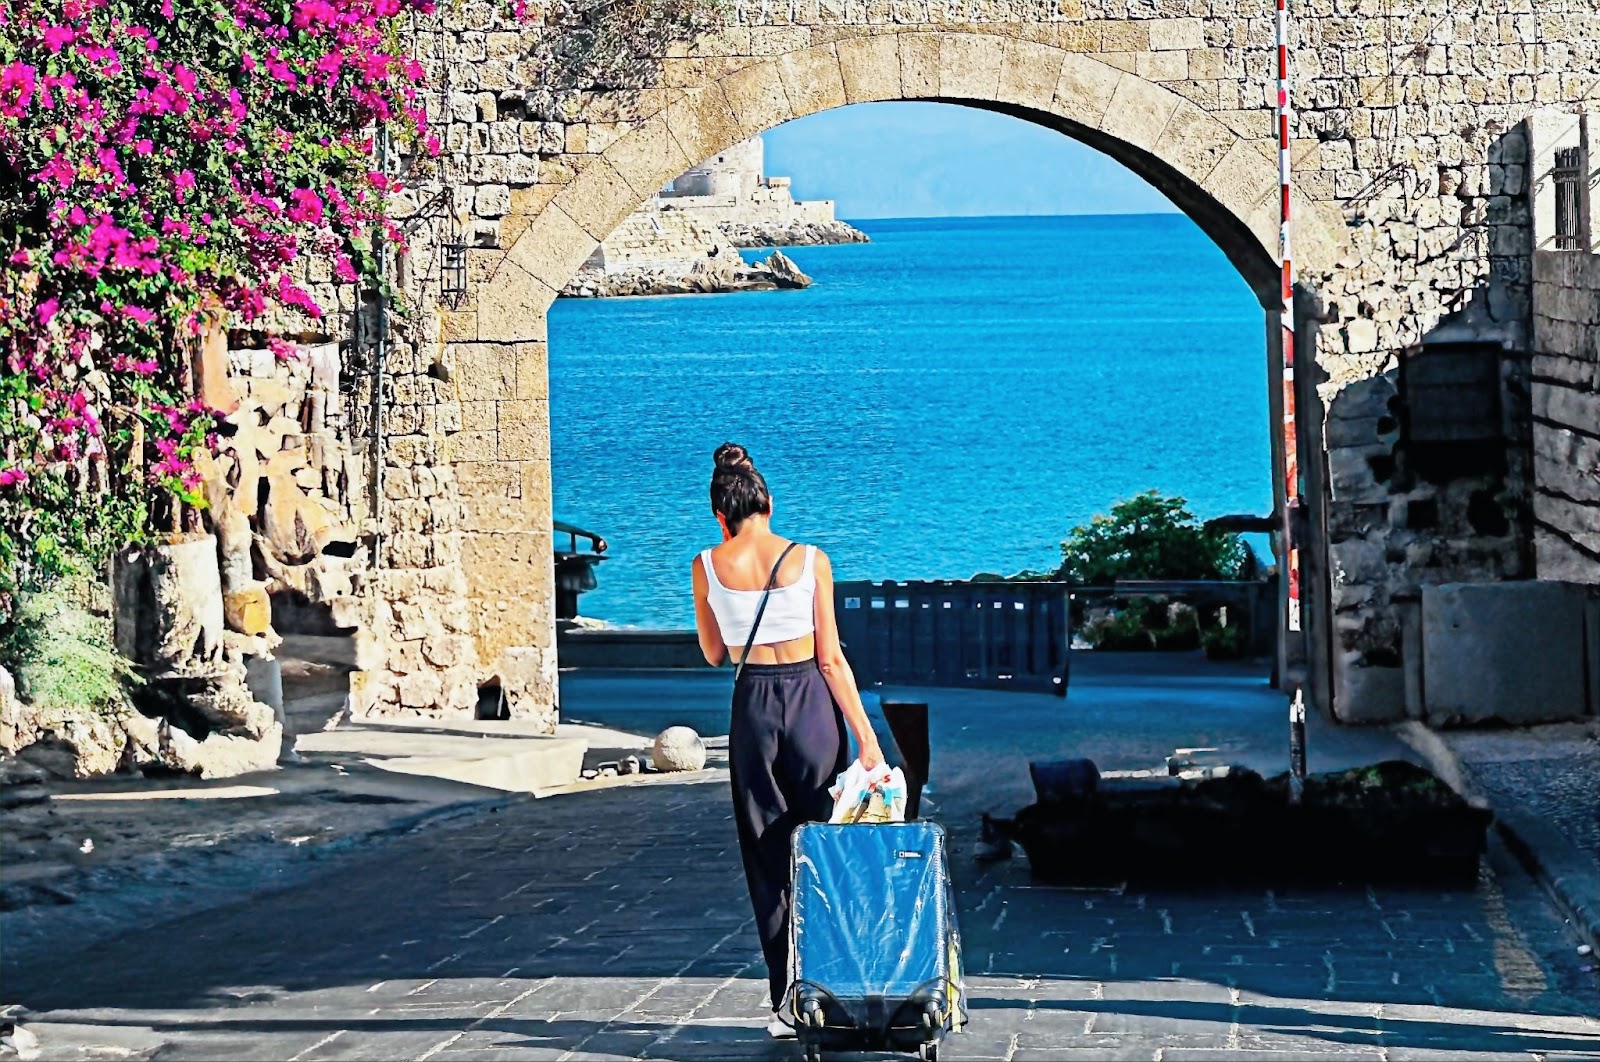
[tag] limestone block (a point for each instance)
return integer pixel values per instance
(1168, 34)
(527, 679)
(1029, 74)
(758, 99)
(1367, 694)
(1138, 112)
(1350, 474)
(550, 251)
(870, 67)
(648, 157)
(969, 66)
(248, 610)
(598, 200)
(482, 371)
(1085, 90)
(420, 689)
(1194, 142)
(919, 65)
(1357, 561)
(703, 122)
(678, 748)
(1162, 66)
(812, 80)
(221, 755)
(1512, 652)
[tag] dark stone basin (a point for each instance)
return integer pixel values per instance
(1390, 823)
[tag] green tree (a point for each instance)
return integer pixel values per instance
(1150, 537)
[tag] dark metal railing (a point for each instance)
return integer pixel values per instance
(1568, 178)
(995, 635)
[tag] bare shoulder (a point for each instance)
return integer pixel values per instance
(823, 565)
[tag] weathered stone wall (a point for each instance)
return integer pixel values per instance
(1412, 227)
(1566, 415)
(657, 239)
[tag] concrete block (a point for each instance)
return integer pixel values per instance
(1512, 652)
(1364, 694)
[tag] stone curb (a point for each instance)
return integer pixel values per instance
(1554, 861)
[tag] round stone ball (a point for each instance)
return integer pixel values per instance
(678, 748)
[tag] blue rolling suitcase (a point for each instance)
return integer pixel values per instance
(875, 949)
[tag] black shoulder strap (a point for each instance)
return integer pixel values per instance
(772, 581)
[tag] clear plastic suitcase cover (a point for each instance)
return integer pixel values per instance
(873, 922)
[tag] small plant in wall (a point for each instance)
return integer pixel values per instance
(614, 44)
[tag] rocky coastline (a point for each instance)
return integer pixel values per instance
(797, 233)
(714, 274)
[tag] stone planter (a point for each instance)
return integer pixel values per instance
(1393, 823)
(169, 614)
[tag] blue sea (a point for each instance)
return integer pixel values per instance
(951, 398)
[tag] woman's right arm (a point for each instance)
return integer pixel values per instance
(836, 669)
(705, 621)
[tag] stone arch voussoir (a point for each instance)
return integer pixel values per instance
(1228, 184)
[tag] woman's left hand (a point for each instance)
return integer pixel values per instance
(871, 755)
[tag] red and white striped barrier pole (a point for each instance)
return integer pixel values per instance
(1291, 463)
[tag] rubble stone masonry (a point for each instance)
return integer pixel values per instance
(1411, 169)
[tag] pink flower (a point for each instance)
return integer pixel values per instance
(12, 477)
(182, 183)
(58, 37)
(47, 310)
(143, 147)
(138, 313)
(16, 89)
(306, 208)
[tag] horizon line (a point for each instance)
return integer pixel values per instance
(1020, 217)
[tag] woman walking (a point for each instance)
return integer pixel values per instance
(767, 604)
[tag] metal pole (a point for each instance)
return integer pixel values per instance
(1297, 747)
(1291, 463)
(380, 337)
(1584, 206)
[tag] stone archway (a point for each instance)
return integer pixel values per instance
(1225, 182)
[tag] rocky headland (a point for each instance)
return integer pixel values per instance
(798, 233)
(723, 272)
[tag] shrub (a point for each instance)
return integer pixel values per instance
(62, 651)
(1150, 537)
(1226, 643)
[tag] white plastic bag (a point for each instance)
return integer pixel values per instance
(882, 790)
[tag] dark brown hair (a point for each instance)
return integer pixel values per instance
(738, 491)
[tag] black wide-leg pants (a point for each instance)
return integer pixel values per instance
(786, 744)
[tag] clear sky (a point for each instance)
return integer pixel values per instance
(888, 160)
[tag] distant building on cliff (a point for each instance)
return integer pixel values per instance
(725, 201)
(732, 188)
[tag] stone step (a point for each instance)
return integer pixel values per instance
(500, 755)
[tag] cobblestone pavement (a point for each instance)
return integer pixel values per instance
(1551, 772)
(614, 924)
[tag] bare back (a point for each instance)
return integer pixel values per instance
(746, 565)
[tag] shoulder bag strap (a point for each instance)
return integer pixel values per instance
(772, 580)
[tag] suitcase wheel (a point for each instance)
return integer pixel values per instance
(813, 1052)
(928, 1052)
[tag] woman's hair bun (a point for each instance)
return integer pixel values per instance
(731, 457)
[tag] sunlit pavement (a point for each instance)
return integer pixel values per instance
(614, 924)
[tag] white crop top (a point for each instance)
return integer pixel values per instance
(789, 611)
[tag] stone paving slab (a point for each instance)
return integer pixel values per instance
(615, 925)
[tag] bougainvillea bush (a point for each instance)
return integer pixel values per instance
(164, 163)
